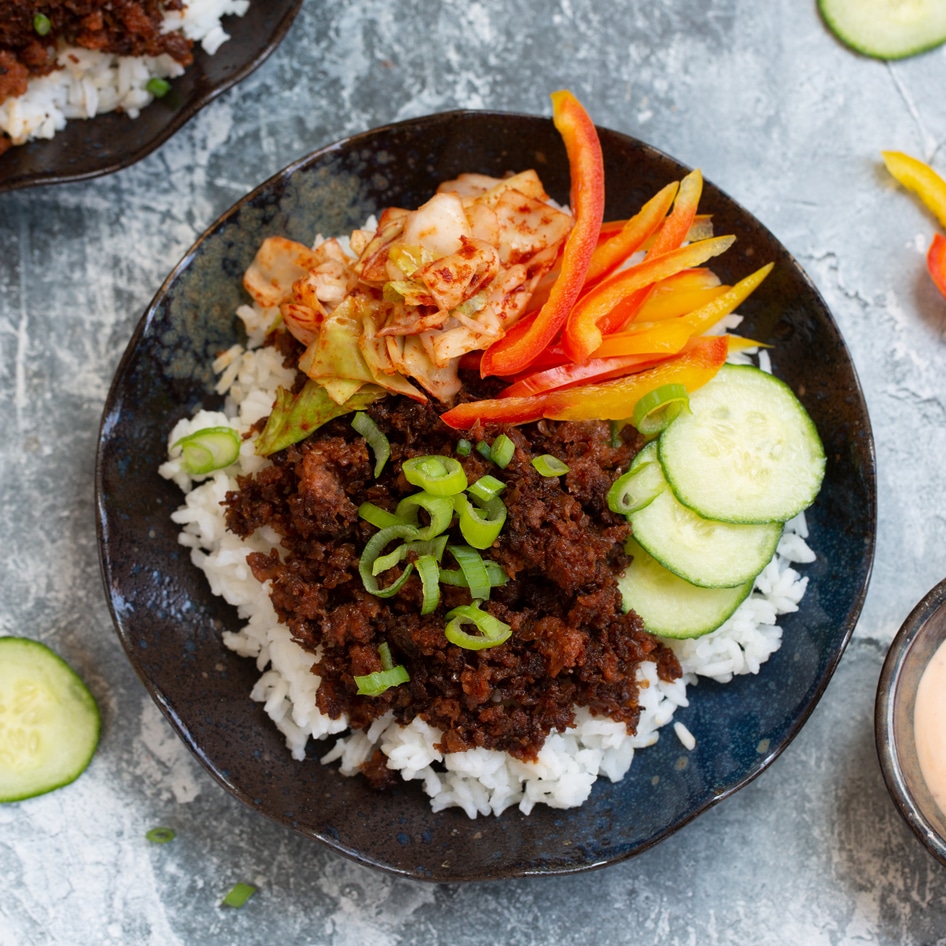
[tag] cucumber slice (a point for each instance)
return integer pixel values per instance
(886, 29)
(705, 552)
(670, 606)
(49, 721)
(746, 451)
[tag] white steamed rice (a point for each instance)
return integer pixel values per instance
(91, 82)
(480, 781)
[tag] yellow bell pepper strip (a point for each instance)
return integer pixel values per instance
(936, 261)
(607, 400)
(583, 334)
(921, 179)
(586, 165)
(666, 337)
(609, 254)
(670, 300)
(570, 374)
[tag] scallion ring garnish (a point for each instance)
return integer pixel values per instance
(238, 895)
(480, 524)
(656, 409)
(438, 508)
(158, 87)
(429, 571)
(378, 517)
(502, 451)
(455, 577)
(474, 570)
(42, 24)
(160, 835)
(547, 465)
(434, 547)
(437, 475)
(632, 491)
(484, 450)
(464, 447)
(379, 444)
(373, 550)
(486, 488)
(209, 449)
(374, 684)
(492, 631)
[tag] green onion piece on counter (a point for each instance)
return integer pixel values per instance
(378, 517)
(379, 444)
(547, 465)
(463, 447)
(634, 490)
(158, 87)
(429, 571)
(209, 449)
(492, 631)
(42, 24)
(440, 476)
(238, 895)
(373, 550)
(481, 525)
(438, 508)
(160, 835)
(486, 488)
(484, 450)
(502, 451)
(473, 569)
(656, 409)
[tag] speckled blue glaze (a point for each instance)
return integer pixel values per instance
(170, 624)
(85, 149)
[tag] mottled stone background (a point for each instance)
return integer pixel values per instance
(774, 111)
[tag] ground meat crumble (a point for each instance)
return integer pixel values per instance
(572, 644)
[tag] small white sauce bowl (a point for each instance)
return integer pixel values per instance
(914, 645)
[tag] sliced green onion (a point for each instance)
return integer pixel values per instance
(473, 568)
(379, 444)
(373, 550)
(384, 652)
(160, 835)
(615, 429)
(440, 476)
(429, 571)
(486, 488)
(492, 630)
(439, 508)
(455, 577)
(633, 491)
(378, 517)
(374, 684)
(158, 87)
(502, 451)
(434, 547)
(481, 525)
(484, 450)
(383, 562)
(656, 409)
(547, 465)
(42, 24)
(238, 895)
(209, 449)
(463, 448)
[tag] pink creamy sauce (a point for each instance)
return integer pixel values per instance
(929, 726)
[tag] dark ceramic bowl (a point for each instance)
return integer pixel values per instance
(110, 142)
(170, 623)
(916, 642)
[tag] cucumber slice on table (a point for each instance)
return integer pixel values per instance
(670, 606)
(886, 29)
(49, 721)
(746, 451)
(705, 552)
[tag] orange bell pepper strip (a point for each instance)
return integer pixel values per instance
(667, 337)
(583, 335)
(631, 237)
(586, 164)
(936, 261)
(607, 400)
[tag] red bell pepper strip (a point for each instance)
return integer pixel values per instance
(608, 400)
(568, 375)
(629, 239)
(586, 165)
(583, 334)
(936, 261)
